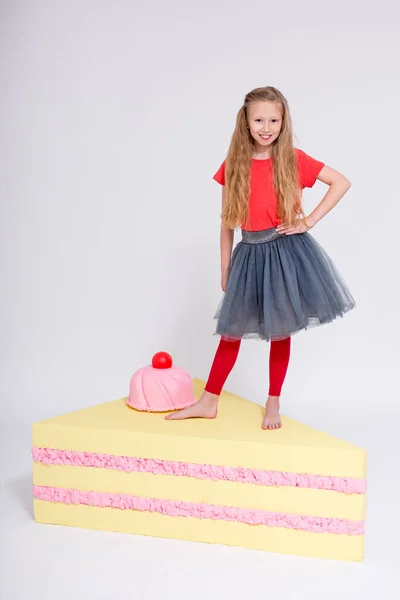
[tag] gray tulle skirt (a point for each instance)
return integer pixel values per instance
(278, 285)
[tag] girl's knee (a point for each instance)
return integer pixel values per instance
(229, 339)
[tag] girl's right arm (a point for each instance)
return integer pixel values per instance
(226, 243)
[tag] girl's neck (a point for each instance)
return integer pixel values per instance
(261, 156)
(260, 153)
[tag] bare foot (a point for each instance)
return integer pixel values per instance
(205, 408)
(272, 419)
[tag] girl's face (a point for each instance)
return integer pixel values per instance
(264, 122)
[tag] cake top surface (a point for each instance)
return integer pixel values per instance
(238, 420)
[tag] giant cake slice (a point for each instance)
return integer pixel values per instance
(294, 490)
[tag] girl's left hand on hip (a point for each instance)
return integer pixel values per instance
(299, 227)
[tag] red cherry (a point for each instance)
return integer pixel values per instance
(162, 360)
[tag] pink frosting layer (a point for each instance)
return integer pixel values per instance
(199, 510)
(50, 456)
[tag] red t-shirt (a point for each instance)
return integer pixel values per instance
(263, 202)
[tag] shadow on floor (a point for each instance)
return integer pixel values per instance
(21, 491)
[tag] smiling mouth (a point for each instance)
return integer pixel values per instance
(264, 137)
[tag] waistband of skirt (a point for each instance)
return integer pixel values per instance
(260, 237)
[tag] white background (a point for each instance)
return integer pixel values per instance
(115, 116)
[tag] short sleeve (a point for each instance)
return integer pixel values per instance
(220, 174)
(308, 168)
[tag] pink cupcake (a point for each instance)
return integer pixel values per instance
(161, 387)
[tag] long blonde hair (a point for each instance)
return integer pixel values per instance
(284, 164)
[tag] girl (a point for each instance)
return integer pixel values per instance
(279, 280)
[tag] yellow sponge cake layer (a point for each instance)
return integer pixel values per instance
(273, 539)
(302, 501)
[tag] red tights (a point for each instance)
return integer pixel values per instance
(225, 358)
